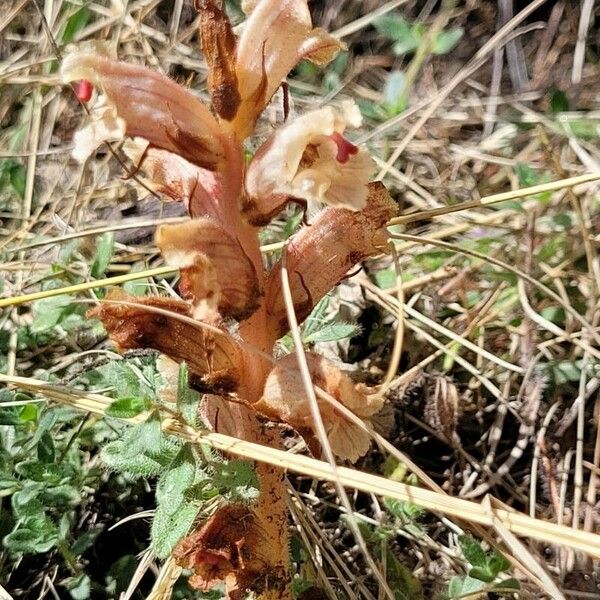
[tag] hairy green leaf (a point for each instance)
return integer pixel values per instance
(125, 408)
(168, 528)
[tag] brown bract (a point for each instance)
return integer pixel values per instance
(216, 275)
(320, 255)
(214, 360)
(224, 549)
(277, 35)
(285, 399)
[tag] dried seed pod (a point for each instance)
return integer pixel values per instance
(214, 360)
(442, 408)
(218, 47)
(344, 237)
(284, 399)
(215, 273)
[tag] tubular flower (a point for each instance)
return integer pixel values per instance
(284, 398)
(136, 101)
(309, 160)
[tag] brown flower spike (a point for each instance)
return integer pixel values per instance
(194, 154)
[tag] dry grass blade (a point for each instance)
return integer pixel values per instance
(87, 285)
(544, 288)
(466, 510)
(320, 426)
(496, 198)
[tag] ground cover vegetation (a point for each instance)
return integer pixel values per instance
(299, 301)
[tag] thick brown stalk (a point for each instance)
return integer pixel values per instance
(269, 514)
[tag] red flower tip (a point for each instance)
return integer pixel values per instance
(345, 147)
(83, 90)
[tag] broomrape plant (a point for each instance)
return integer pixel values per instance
(193, 153)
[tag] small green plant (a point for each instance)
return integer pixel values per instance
(486, 569)
(187, 478)
(408, 37)
(320, 327)
(402, 582)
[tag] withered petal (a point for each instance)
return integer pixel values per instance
(222, 550)
(214, 360)
(285, 399)
(215, 273)
(345, 237)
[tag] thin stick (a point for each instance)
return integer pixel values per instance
(320, 426)
(86, 285)
(514, 521)
(495, 198)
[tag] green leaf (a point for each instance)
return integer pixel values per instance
(187, 398)
(104, 253)
(25, 502)
(137, 287)
(498, 563)
(317, 317)
(461, 587)
(168, 529)
(559, 102)
(385, 279)
(482, 573)
(170, 491)
(527, 175)
(12, 175)
(126, 380)
(75, 23)
(564, 371)
(333, 332)
(447, 39)
(120, 574)
(237, 480)
(49, 312)
(28, 413)
(60, 496)
(405, 585)
(143, 449)
(86, 540)
(563, 220)
(508, 584)
(396, 28)
(79, 587)
(394, 92)
(472, 551)
(40, 472)
(113, 454)
(9, 416)
(46, 451)
(36, 535)
(125, 408)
